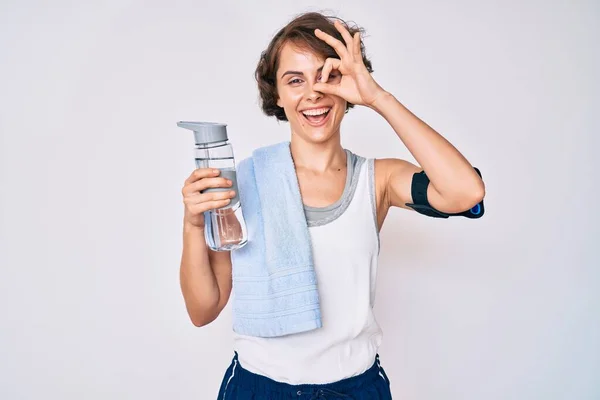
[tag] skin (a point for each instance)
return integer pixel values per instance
(320, 161)
(317, 151)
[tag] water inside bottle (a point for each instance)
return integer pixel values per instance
(214, 162)
(224, 227)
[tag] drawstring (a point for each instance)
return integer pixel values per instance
(319, 394)
(326, 394)
(381, 371)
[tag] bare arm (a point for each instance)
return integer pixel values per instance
(204, 275)
(455, 186)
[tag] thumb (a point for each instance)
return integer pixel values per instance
(326, 88)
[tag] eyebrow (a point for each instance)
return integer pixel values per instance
(298, 72)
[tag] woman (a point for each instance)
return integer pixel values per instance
(313, 71)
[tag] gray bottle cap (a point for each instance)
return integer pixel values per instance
(206, 132)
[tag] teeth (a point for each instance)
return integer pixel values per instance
(318, 111)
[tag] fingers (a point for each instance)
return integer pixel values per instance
(211, 197)
(202, 179)
(323, 86)
(201, 173)
(201, 207)
(333, 42)
(199, 202)
(196, 203)
(327, 88)
(330, 65)
(352, 45)
(345, 34)
(356, 44)
(206, 183)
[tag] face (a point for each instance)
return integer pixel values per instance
(314, 116)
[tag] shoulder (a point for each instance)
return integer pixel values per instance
(386, 170)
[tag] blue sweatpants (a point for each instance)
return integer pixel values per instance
(241, 384)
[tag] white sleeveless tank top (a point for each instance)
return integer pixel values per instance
(345, 250)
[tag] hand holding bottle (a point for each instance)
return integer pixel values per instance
(196, 202)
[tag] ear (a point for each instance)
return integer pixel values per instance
(279, 102)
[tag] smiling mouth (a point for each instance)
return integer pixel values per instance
(316, 117)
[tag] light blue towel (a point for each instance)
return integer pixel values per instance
(274, 281)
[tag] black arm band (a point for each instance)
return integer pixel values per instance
(420, 204)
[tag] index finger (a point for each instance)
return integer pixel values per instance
(345, 34)
(333, 42)
(200, 173)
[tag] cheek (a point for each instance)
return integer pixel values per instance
(289, 100)
(341, 107)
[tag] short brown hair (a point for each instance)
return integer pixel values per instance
(300, 31)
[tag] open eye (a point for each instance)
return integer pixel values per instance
(332, 76)
(295, 81)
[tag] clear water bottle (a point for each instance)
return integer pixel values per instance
(224, 228)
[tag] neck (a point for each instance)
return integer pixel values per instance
(318, 157)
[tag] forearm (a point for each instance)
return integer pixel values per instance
(449, 172)
(198, 282)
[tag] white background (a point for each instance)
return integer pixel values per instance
(92, 165)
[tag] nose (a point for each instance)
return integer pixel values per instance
(312, 94)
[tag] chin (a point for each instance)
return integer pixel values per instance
(320, 136)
